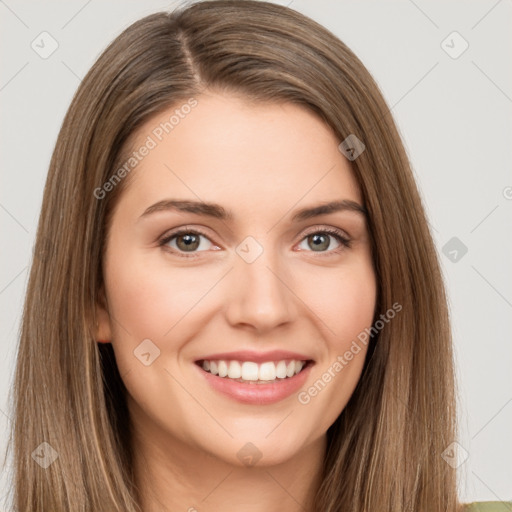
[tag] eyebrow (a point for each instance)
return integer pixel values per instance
(219, 212)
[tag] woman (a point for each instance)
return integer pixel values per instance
(236, 302)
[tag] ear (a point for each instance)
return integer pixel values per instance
(103, 326)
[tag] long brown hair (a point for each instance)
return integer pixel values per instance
(384, 450)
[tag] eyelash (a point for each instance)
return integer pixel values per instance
(336, 233)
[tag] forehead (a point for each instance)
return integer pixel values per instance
(241, 154)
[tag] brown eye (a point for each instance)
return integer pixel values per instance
(187, 242)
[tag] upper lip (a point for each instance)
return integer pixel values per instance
(257, 357)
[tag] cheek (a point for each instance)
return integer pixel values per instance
(343, 302)
(147, 298)
(138, 307)
(355, 311)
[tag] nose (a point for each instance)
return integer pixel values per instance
(260, 294)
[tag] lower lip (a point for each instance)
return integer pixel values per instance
(257, 394)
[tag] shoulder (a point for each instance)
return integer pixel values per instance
(488, 506)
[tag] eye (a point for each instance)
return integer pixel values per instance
(320, 240)
(186, 241)
(189, 241)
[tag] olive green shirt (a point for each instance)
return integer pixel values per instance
(489, 506)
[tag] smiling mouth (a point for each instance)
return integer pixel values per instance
(251, 372)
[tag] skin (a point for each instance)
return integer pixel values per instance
(262, 162)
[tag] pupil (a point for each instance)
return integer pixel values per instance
(190, 241)
(317, 241)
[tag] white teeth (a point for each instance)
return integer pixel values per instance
(223, 368)
(281, 370)
(267, 371)
(251, 371)
(235, 370)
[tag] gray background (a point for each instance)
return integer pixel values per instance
(454, 116)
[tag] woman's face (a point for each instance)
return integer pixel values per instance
(254, 279)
